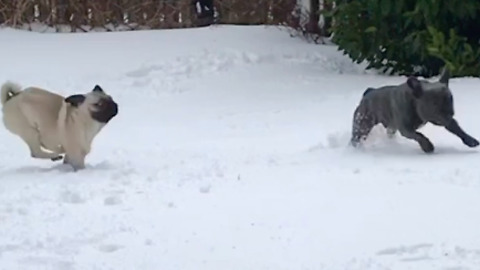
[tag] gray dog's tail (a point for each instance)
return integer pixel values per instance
(9, 90)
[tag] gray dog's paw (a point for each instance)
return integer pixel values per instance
(471, 142)
(57, 158)
(427, 146)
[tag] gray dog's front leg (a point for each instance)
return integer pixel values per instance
(455, 128)
(424, 142)
(362, 125)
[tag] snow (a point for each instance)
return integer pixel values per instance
(230, 152)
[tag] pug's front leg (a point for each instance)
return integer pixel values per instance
(423, 141)
(75, 159)
(455, 128)
(77, 163)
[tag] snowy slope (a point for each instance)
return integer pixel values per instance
(229, 152)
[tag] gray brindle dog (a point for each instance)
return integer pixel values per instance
(406, 108)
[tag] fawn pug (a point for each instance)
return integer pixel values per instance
(62, 125)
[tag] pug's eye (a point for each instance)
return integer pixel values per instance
(100, 103)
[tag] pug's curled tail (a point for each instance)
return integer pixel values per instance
(9, 90)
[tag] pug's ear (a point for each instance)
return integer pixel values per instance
(75, 100)
(416, 86)
(97, 88)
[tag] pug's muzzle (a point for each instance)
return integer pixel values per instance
(105, 110)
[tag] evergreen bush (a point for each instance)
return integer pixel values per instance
(414, 37)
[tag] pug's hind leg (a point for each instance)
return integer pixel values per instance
(57, 151)
(32, 139)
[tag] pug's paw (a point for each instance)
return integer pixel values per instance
(57, 158)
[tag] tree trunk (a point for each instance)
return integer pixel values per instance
(314, 17)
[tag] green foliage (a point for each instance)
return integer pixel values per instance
(410, 36)
(457, 54)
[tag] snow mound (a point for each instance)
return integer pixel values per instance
(230, 151)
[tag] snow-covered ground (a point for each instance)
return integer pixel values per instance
(230, 152)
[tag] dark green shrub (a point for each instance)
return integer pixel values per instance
(410, 36)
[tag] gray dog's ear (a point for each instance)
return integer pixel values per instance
(416, 86)
(75, 100)
(97, 88)
(445, 76)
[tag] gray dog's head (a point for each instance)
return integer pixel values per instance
(96, 103)
(434, 100)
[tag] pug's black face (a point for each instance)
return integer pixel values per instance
(101, 107)
(105, 110)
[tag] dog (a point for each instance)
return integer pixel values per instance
(52, 125)
(406, 108)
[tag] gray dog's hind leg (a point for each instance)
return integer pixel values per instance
(455, 128)
(424, 142)
(362, 125)
(391, 132)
